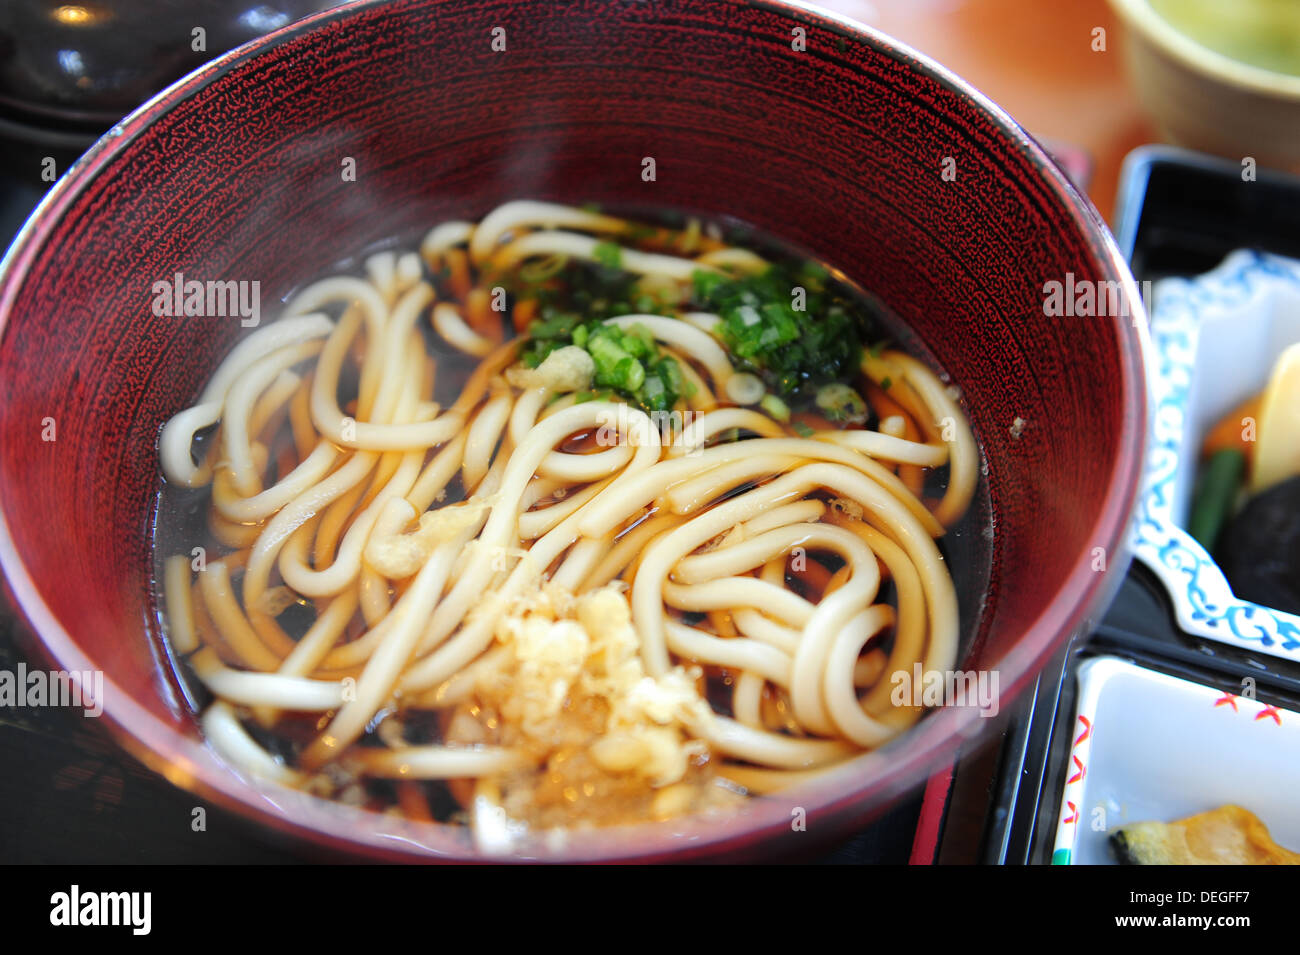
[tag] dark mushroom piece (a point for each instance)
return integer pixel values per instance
(1259, 549)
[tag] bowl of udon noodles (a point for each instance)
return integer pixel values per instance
(625, 431)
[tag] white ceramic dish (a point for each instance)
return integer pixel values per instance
(1150, 747)
(1214, 340)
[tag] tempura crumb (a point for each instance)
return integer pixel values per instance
(564, 370)
(609, 742)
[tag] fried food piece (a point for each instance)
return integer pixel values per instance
(1228, 835)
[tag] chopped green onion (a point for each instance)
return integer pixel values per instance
(706, 283)
(840, 403)
(537, 271)
(774, 406)
(794, 351)
(629, 375)
(744, 389)
(608, 254)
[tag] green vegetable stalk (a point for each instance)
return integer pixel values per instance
(1217, 491)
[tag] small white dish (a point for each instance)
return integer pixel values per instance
(1151, 747)
(1214, 340)
(1204, 99)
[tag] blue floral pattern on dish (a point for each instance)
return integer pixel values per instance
(1203, 600)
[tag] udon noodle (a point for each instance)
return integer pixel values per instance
(576, 603)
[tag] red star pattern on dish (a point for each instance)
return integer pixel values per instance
(1269, 712)
(1087, 729)
(1078, 775)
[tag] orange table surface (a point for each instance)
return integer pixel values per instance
(1035, 59)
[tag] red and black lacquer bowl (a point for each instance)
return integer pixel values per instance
(812, 128)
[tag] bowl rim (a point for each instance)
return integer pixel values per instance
(1143, 18)
(186, 761)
